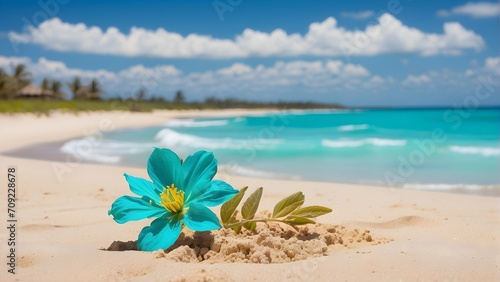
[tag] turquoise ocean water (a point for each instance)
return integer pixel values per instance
(435, 149)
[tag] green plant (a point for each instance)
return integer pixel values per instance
(288, 211)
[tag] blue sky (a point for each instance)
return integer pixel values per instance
(357, 53)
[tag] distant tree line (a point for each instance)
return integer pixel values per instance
(235, 103)
(231, 103)
(11, 86)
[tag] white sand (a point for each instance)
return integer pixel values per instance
(63, 224)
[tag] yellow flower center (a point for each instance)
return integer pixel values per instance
(172, 199)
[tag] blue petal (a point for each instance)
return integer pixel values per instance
(200, 218)
(162, 234)
(143, 188)
(199, 169)
(127, 208)
(218, 193)
(164, 168)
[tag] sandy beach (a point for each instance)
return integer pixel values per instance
(63, 223)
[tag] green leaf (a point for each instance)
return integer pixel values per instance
(228, 208)
(298, 220)
(233, 220)
(237, 228)
(250, 225)
(311, 212)
(251, 204)
(288, 205)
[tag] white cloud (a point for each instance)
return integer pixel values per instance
(355, 70)
(125, 81)
(473, 9)
(454, 81)
(161, 79)
(469, 72)
(54, 69)
(275, 81)
(235, 70)
(358, 15)
(11, 62)
(492, 65)
(377, 80)
(412, 80)
(325, 38)
(317, 74)
(141, 71)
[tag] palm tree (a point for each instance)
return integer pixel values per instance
(21, 76)
(46, 88)
(141, 94)
(4, 83)
(94, 90)
(76, 88)
(179, 97)
(56, 90)
(45, 85)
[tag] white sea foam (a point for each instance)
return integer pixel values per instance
(386, 142)
(341, 143)
(353, 127)
(125, 148)
(484, 151)
(170, 138)
(350, 143)
(246, 171)
(84, 149)
(195, 123)
(103, 151)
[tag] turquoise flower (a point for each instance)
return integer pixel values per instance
(179, 194)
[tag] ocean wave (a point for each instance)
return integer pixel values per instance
(170, 138)
(250, 172)
(349, 143)
(103, 151)
(353, 127)
(125, 148)
(84, 149)
(195, 123)
(484, 151)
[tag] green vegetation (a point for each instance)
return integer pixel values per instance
(45, 106)
(179, 97)
(11, 84)
(18, 85)
(94, 90)
(76, 87)
(18, 95)
(42, 106)
(289, 211)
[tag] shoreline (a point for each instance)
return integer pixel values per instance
(64, 221)
(93, 123)
(117, 120)
(52, 154)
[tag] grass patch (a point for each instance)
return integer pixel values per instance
(40, 106)
(45, 106)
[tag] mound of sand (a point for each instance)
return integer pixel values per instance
(269, 243)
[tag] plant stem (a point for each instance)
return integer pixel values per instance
(251, 220)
